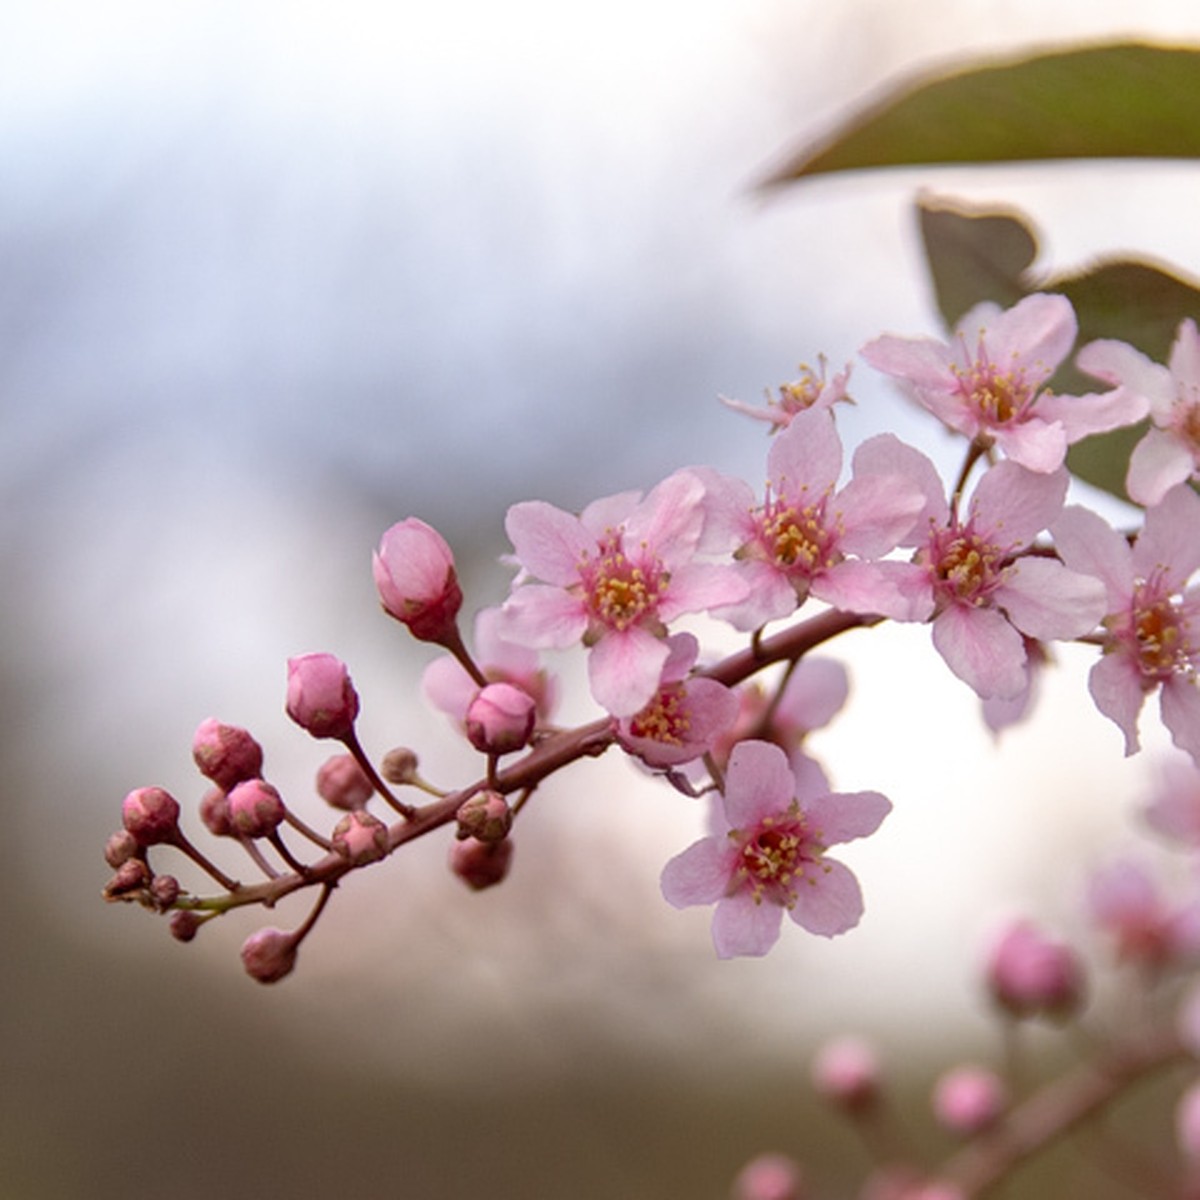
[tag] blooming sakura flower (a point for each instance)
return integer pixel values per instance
(810, 391)
(614, 577)
(767, 855)
(417, 583)
(1124, 898)
(685, 717)
(974, 577)
(1150, 640)
(1170, 451)
(805, 538)
(986, 384)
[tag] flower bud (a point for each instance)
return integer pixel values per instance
(183, 924)
(480, 864)
(226, 754)
(343, 784)
(120, 848)
(131, 876)
(255, 808)
(500, 719)
(769, 1177)
(969, 1099)
(269, 955)
(164, 891)
(1028, 973)
(360, 838)
(846, 1073)
(214, 812)
(320, 696)
(416, 580)
(486, 817)
(399, 766)
(151, 815)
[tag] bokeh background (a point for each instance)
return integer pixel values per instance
(275, 275)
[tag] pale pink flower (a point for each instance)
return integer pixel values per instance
(1174, 807)
(449, 687)
(807, 538)
(1148, 927)
(986, 383)
(810, 391)
(767, 855)
(975, 577)
(1170, 451)
(614, 577)
(687, 715)
(1150, 640)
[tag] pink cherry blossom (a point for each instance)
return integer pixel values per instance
(1170, 451)
(986, 384)
(1149, 928)
(685, 718)
(807, 538)
(767, 855)
(810, 391)
(1173, 809)
(975, 577)
(614, 577)
(1150, 639)
(416, 580)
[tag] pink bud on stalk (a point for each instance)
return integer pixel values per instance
(226, 754)
(485, 817)
(480, 864)
(269, 954)
(846, 1072)
(151, 815)
(256, 809)
(769, 1177)
(969, 1099)
(320, 697)
(417, 583)
(500, 719)
(360, 838)
(343, 784)
(1029, 973)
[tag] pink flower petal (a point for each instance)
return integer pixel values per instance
(624, 670)
(540, 615)
(742, 927)
(1180, 705)
(844, 816)
(806, 455)
(549, 542)
(832, 904)
(1169, 537)
(758, 783)
(1116, 686)
(982, 649)
(699, 875)
(1015, 504)
(1158, 462)
(1088, 544)
(1045, 600)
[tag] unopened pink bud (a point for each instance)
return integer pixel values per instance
(120, 848)
(480, 864)
(500, 719)
(151, 815)
(320, 697)
(360, 838)
(164, 891)
(486, 817)
(183, 924)
(416, 580)
(846, 1072)
(769, 1177)
(269, 955)
(399, 766)
(214, 812)
(131, 876)
(255, 808)
(343, 784)
(969, 1099)
(226, 754)
(1029, 973)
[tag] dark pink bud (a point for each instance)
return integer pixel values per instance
(226, 754)
(255, 808)
(151, 815)
(131, 876)
(183, 924)
(480, 864)
(269, 955)
(320, 696)
(360, 838)
(214, 812)
(769, 1177)
(486, 817)
(416, 580)
(399, 766)
(342, 783)
(1029, 973)
(500, 719)
(969, 1099)
(164, 891)
(846, 1072)
(120, 848)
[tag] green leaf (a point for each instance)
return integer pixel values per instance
(1122, 100)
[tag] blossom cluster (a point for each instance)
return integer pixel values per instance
(997, 564)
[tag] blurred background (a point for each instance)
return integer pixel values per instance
(276, 275)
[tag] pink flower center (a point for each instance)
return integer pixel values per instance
(1156, 629)
(794, 538)
(775, 857)
(665, 719)
(619, 591)
(966, 567)
(801, 393)
(998, 396)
